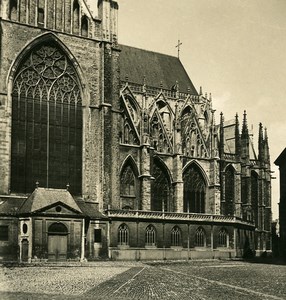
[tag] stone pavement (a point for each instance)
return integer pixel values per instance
(154, 280)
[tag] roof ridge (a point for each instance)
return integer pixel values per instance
(146, 50)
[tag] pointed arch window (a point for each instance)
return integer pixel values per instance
(75, 17)
(13, 10)
(84, 26)
(127, 182)
(229, 191)
(176, 236)
(123, 235)
(200, 237)
(160, 188)
(150, 236)
(46, 122)
(194, 190)
(254, 196)
(223, 238)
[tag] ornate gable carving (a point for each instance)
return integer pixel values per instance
(193, 142)
(158, 134)
(130, 120)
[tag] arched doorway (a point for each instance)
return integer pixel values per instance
(57, 242)
(46, 121)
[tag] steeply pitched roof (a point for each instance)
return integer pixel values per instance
(157, 68)
(43, 197)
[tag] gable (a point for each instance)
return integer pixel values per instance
(158, 134)
(130, 120)
(193, 141)
(58, 208)
(42, 198)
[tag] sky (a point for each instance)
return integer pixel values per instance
(235, 50)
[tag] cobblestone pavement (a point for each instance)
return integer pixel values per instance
(157, 280)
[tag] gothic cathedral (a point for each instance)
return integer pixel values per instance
(109, 151)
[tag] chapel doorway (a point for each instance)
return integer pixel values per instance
(25, 250)
(57, 242)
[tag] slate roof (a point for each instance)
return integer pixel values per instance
(11, 205)
(43, 197)
(90, 209)
(156, 67)
(281, 159)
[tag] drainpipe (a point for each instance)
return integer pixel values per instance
(212, 238)
(188, 241)
(108, 239)
(235, 246)
(30, 240)
(20, 240)
(82, 241)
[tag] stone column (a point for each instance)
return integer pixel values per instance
(145, 178)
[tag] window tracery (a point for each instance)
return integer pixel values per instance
(194, 190)
(176, 236)
(229, 191)
(127, 182)
(200, 237)
(150, 236)
(158, 136)
(254, 196)
(192, 142)
(222, 238)
(123, 235)
(46, 122)
(160, 189)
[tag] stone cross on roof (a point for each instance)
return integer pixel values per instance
(178, 46)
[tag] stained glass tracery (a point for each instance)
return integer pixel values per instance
(46, 122)
(229, 191)
(194, 190)
(161, 192)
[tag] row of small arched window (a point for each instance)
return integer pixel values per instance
(176, 236)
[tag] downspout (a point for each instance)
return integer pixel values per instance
(82, 258)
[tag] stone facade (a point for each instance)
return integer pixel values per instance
(166, 181)
(281, 162)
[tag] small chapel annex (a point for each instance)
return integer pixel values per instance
(109, 151)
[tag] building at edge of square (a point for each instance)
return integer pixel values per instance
(109, 151)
